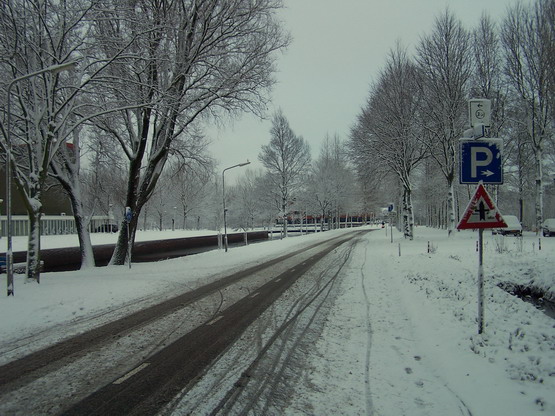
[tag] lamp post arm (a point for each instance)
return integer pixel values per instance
(236, 166)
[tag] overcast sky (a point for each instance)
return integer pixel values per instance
(337, 50)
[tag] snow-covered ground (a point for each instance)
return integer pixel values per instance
(400, 339)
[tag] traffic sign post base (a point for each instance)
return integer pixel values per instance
(480, 281)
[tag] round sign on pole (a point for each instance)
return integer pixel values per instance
(479, 112)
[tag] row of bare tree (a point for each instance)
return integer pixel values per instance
(291, 186)
(417, 109)
(148, 72)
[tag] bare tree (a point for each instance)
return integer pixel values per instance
(184, 62)
(286, 157)
(103, 175)
(249, 208)
(268, 198)
(190, 184)
(388, 128)
(528, 41)
(332, 183)
(160, 205)
(445, 67)
(429, 194)
(487, 79)
(35, 36)
(321, 188)
(549, 16)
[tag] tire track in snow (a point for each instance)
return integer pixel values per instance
(279, 350)
(368, 390)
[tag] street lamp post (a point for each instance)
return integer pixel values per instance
(223, 193)
(54, 69)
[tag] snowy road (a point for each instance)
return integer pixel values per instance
(139, 362)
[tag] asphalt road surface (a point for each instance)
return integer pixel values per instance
(138, 364)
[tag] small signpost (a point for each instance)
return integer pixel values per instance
(480, 163)
(391, 210)
(481, 213)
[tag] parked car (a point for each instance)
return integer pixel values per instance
(549, 227)
(513, 226)
(107, 228)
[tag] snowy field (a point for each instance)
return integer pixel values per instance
(401, 338)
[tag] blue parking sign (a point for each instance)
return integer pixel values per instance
(480, 160)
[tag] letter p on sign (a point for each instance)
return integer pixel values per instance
(478, 160)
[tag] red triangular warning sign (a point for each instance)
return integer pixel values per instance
(481, 212)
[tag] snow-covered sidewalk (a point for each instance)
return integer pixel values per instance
(400, 339)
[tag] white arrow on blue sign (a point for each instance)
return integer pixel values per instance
(480, 160)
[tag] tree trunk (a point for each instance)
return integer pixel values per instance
(81, 225)
(283, 208)
(539, 190)
(450, 207)
(120, 251)
(33, 250)
(85, 245)
(408, 214)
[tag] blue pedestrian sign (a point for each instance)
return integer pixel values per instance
(480, 160)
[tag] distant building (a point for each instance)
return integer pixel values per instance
(54, 200)
(56, 209)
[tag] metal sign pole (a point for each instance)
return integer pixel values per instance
(391, 226)
(480, 280)
(481, 214)
(128, 245)
(480, 162)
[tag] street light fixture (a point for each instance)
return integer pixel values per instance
(223, 192)
(54, 69)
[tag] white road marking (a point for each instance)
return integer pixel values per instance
(216, 319)
(253, 295)
(131, 373)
